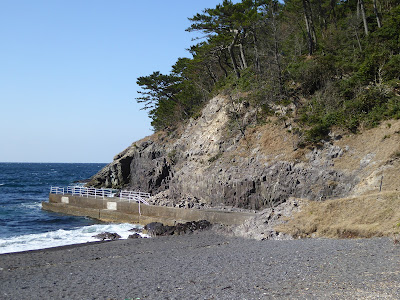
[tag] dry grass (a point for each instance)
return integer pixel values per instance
(364, 216)
(382, 153)
(272, 140)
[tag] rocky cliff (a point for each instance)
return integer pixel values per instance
(218, 159)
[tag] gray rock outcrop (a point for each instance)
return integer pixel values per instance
(214, 161)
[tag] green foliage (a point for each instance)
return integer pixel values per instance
(368, 107)
(171, 98)
(261, 49)
(317, 133)
(312, 74)
(231, 84)
(387, 38)
(391, 70)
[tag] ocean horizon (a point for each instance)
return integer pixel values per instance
(25, 226)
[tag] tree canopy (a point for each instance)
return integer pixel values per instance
(342, 56)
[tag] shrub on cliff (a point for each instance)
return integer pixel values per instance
(345, 68)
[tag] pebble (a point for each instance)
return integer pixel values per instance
(206, 265)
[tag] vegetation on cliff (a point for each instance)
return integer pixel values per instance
(336, 61)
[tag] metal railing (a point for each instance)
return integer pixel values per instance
(138, 197)
(134, 196)
(57, 190)
(83, 191)
(131, 196)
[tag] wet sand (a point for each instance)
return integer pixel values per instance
(206, 265)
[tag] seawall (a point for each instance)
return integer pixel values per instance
(113, 210)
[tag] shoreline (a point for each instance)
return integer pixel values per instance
(56, 248)
(64, 237)
(205, 265)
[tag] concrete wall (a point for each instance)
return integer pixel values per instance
(111, 210)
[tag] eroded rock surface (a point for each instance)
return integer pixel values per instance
(214, 161)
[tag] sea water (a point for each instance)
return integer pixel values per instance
(25, 226)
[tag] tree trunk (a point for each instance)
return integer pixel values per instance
(322, 18)
(333, 5)
(364, 18)
(378, 18)
(243, 58)
(358, 40)
(311, 36)
(256, 54)
(241, 66)
(211, 73)
(221, 66)
(276, 52)
(232, 54)
(226, 57)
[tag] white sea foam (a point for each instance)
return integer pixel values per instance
(34, 205)
(63, 237)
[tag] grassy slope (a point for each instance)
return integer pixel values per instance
(368, 212)
(375, 155)
(362, 216)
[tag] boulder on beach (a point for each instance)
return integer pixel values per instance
(159, 229)
(135, 236)
(107, 236)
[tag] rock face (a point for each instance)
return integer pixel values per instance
(262, 226)
(216, 160)
(142, 166)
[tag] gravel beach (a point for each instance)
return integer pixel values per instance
(206, 265)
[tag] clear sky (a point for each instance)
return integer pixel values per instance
(68, 73)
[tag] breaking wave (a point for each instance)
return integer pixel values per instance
(63, 237)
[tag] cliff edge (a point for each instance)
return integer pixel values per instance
(220, 160)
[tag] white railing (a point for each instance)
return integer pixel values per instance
(138, 197)
(83, 191)
(134, 196)
(56, 190)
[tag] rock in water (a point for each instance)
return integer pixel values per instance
(107, 236)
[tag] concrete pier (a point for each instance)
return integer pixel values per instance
(113, 210)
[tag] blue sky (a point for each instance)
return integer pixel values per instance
(68, 73)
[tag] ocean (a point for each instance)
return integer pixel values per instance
(25, 226)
